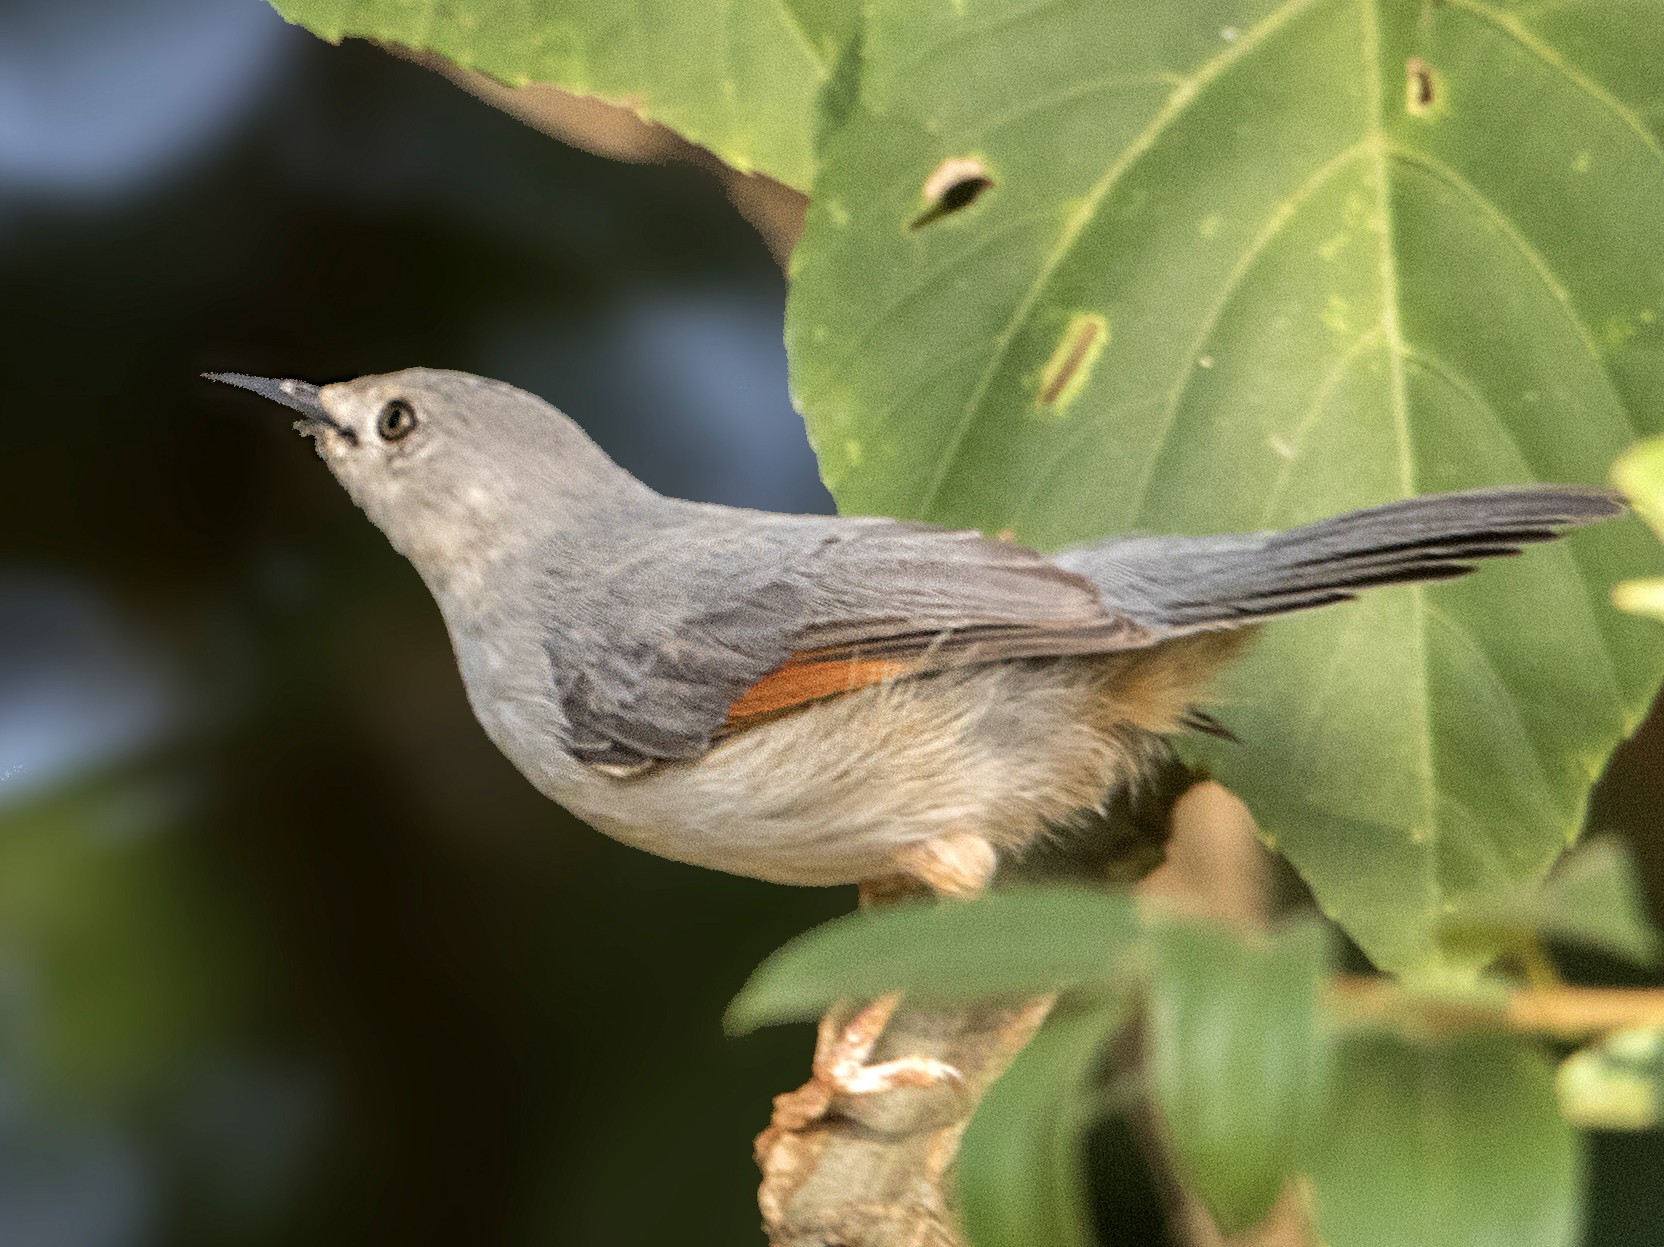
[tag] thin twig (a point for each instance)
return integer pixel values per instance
(1559, 1012)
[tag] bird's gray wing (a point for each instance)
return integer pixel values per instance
(651, 660)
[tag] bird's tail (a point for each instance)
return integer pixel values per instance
(1182, 583)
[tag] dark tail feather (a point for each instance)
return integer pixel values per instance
(1187, 582)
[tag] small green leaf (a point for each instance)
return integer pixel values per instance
(1240, 1061)
(1593, 899)
(1017, 942)
(1450, 1145)
(739, 77)
(1617, 1084)
(1021, 1175)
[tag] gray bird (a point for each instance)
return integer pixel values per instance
(823, 700)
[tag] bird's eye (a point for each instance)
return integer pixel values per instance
(396, 421)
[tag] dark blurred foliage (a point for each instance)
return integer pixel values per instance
(288, 953)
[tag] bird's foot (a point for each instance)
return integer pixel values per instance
(841, 1070)
(956, 865)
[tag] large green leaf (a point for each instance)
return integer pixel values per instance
(1245, 263)
(1008, 943)
(738, 76)
(1239, 1060)
(1454, 1145)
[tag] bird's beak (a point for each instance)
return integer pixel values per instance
(301, 396)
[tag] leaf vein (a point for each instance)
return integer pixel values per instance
(967, 33)
(1278, 221)
(1090, 86)
(947, 267)
(1597, 596)
(1542, 797)
(801, 35)
(1451, 177)
(1308, 418)
(1551, 57)
(1394, 336)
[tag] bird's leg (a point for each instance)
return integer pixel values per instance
(890, 890)
(959, 866)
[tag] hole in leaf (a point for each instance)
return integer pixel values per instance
(1420, 87)
(955, 184)
(1066, 371)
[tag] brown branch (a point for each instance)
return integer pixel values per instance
(1583, 1012)
(1287, 1225)
(1215, 866)
(876, 1170)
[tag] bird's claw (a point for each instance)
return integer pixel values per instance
(841, 1069)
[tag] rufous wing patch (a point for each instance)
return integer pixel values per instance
(802, 679)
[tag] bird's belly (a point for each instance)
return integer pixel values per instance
(778, 850)
(758, 822)
(774, 804)
(825, 796)
(833, 793)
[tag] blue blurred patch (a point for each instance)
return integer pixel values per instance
(686, 387)
(77, 691)
(101, 96)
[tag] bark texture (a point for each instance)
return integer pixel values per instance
(875, 1170)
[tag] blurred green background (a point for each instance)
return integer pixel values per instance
(288, 952)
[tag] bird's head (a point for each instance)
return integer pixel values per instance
(455, 469)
